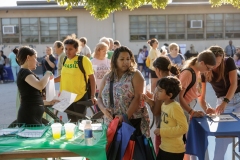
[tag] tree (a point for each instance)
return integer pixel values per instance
(101, 9)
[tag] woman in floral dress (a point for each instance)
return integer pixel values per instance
(128, 86)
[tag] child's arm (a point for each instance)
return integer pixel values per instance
(155, 104)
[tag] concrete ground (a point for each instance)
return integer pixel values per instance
(8, 92)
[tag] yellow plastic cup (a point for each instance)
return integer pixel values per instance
(56, 130)
(69, 130)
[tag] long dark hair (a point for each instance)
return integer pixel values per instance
(163, 63)
(115, 57)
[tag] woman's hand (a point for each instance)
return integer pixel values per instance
(145, 98)
(94, 100)
(120, 118)
(210, 110)
(51, 76)
(51, 102)
(220, 109)
(107, 113)
(157, 132)
(198, 114)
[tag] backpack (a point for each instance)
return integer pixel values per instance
(193, 79)
(147, 62)
(80, 66)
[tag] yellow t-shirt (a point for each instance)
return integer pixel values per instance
(153, 54)
(173, 126)
(72, 79)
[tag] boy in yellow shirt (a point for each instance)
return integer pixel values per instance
(173, 121)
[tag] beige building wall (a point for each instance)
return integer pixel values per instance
(94, 29)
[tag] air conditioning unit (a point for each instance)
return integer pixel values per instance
(196, 24)
(9, 29)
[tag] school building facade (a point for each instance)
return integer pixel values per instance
(38, 24)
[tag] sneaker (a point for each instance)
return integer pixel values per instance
(1, 81)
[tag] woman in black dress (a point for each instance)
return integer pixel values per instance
(30, 87)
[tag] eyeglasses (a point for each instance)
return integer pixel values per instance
(209, 69)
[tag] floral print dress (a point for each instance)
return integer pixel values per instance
(123, 94)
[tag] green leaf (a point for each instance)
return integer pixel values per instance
(101, 9)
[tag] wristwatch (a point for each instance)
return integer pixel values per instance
(226, 100)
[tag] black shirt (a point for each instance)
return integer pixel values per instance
(31, 105)
(219, 87)
(29, 94)
(46, 66)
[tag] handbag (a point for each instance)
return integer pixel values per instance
(117, 136)
(111, 131)
(147, 62)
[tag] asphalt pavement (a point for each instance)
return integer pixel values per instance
(8, 93)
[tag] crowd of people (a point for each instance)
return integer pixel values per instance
(177, 81)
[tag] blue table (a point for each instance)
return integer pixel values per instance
(7, 74)
(201, 128)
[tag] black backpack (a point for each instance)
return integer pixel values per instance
(193, 79)
(80, 66)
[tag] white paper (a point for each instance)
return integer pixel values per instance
(50, 90)
(32, 133)
(66, 99)
(222, 118)
(236, 114)
(95, 126)
(8, 131)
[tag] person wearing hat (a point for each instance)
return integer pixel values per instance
(191, 53)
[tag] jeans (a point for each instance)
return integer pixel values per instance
(15, 71)
(222, 143)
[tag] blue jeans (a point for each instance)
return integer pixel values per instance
(15, 71)
(222, 143)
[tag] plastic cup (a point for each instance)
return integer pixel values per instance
(69, 130)
(56, 130)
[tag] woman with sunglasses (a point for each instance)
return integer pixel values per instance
(224, 80)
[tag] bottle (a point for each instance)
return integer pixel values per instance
(88, 133)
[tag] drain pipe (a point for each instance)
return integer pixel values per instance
(113, 27)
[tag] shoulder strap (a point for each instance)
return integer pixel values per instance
(80, 65)
(193, 79)
(111, 94)
(64, 60)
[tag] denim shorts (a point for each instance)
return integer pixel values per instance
(233, 105)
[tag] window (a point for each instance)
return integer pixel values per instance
(49, 30)
(138, 28)
(214, 26)
(68, 26)
(232, 25)
(176, 27)
(194, 33)
(13, 36)
(29, 30)
(157, 27)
